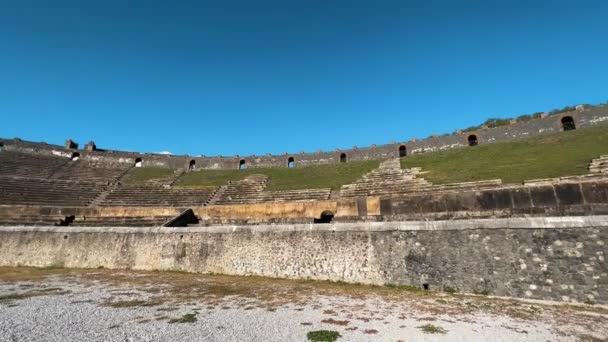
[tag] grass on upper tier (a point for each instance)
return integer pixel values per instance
(310, 177)
(142, 174)
(545, 156)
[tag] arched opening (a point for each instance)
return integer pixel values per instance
(472, 140)
(1, 147)
(291, 162)
(343, 158)
(326, 217)
(568, 123)
(402, 151)
(138, 162)
(192, 165)
(242, 164)
(75, 156)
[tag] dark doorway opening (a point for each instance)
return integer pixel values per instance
(291, 162)
(568, 123)
(138, 162)
(192, 164)
(472, 140)
(242, 164)
(326, 217)
(343, 158)
(75, 156)
(68, 220)
(402, 151)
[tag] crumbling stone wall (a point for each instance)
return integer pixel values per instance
(586, 118)
(556, 258)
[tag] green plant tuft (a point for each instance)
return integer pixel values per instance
(323, 335)
(432, 329)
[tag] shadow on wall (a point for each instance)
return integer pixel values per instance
(326, 217)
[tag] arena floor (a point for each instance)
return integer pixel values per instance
(106, 305)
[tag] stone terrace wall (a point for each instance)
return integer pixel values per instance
(554, 258)
(585, 118)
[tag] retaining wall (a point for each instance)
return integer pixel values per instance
(553, 258)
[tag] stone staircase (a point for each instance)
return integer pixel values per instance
(251, 190)
(243, 191)
(599, 165)
(388, 178)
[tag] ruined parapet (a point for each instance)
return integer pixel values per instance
(71, 144)
(90, 146)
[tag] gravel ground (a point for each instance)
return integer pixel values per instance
(103, 305)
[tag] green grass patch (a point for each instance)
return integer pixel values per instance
(51, 267)
(187, 318)
(483, 292)
(450, 290)
(143, 174)
(545, 156)
(409, 288)
(310, 177)
(432, 329)
(323, 335)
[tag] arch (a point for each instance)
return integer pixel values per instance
(138, 162)
(192, 164)
(75, 156)
(402, 151)
(326, 217)
(1, 146)
(242, 164)
(472, 139)
(568, 123)
(291, 163)
(343, 158)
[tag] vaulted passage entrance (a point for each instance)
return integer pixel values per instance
(568, 123)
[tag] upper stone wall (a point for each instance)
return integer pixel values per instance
(582, 118)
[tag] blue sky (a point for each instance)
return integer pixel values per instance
(243, 77)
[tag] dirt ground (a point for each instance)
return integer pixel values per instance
(111, 305)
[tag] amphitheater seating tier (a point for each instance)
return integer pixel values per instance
(120, 221)
(156, 196)
(91, 172)
(599, 165)
(45, 192)
(251, 190)
(25, 165)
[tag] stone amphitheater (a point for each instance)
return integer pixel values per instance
(542, 239)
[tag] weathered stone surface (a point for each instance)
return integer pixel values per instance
(541, 258)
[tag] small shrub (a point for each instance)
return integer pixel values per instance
(432, 329)
(450, 290)
(323, 335)
(187, 318)
(483, 292)
(52, 267)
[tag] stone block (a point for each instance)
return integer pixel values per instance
(595, 192)
(521, 198)
(543, 196)
(568, 194)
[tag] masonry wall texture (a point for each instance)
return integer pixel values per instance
(588, 117)
(553, 258)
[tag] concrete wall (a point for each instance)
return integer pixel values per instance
(556, 258)
(588, 117)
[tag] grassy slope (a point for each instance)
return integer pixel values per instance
(310, 177)
(545, 156)
(142, 174)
